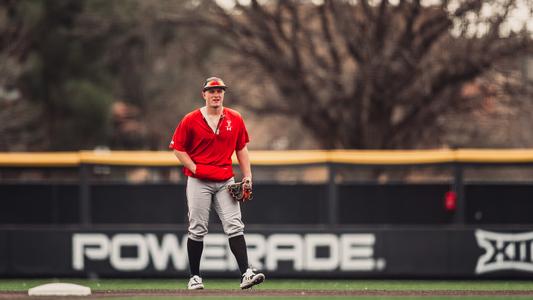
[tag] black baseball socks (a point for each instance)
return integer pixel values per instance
(194, 250)
(237, 245)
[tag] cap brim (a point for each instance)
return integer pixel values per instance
(214, 87)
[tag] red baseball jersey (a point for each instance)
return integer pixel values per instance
(210, 151)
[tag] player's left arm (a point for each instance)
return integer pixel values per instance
(244, 163)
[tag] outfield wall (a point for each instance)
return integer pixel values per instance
(89, 187)
(308, 204)
(283, 252)
(88, 222)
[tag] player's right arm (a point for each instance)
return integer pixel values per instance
(179, 141)
(185, 160)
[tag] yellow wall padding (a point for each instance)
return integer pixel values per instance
(289, 157)
(39, 159)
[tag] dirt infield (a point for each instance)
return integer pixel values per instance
(278, 293)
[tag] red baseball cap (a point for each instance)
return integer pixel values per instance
(214, 83)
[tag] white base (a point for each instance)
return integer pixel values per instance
(59, 289)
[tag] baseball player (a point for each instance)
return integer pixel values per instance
(204, 142)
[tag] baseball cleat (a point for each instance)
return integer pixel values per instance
(251, 278)
(195, 283)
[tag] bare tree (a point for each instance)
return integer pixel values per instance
(369, 74)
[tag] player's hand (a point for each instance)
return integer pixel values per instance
(241, 191)
(248, 181)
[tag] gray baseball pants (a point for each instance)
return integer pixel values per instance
(200, 195)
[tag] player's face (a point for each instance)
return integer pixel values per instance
(214, 97)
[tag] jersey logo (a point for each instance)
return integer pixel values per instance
(228, 125)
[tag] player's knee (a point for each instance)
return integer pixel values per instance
(197, 232)
(234, 228)
(195, 237)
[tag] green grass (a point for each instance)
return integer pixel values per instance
(294, 284)
(329, 297)
(278, 284)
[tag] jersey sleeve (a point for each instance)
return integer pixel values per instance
(179, 139)
(242, 138)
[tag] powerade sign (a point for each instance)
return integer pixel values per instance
(128, 252)
(431, 252)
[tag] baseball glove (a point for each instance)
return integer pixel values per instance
(241, 191)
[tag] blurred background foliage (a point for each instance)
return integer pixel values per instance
(81, 74)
